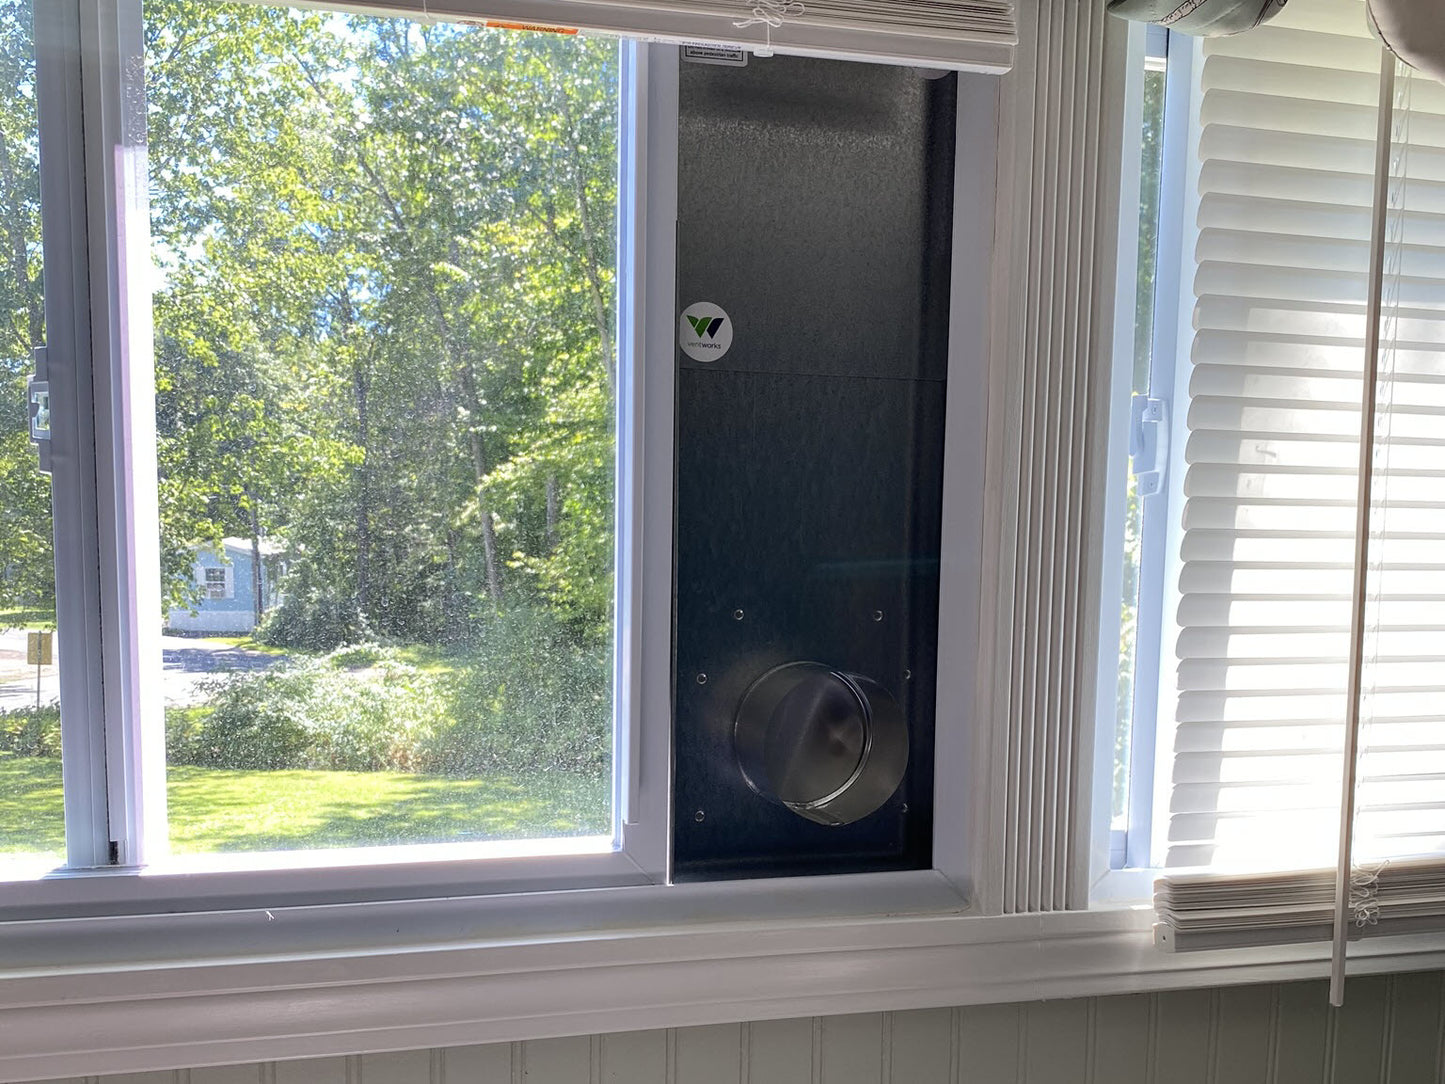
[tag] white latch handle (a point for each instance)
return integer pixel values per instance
(1148, 444)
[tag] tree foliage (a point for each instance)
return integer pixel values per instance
(384, 311)
(27, 575)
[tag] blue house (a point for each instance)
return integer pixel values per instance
(225, 580)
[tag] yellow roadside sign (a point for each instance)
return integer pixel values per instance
(38, 648)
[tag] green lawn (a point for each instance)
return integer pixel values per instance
(245, 643)
(222, 810)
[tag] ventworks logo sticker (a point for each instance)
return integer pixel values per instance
(704, 333)
(705, 327)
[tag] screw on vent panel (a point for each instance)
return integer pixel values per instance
(830, 746)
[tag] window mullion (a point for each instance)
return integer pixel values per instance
(72, 440)
(648, 338)
(118, 229)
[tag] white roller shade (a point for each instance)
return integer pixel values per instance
(1288, 117)
(977, 35)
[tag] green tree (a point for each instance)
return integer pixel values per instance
(386, 327)
(27, 576)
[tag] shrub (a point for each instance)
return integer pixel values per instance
(530, 695)
(313, 615)
(359, 656)
(308, 714)
(25, 734)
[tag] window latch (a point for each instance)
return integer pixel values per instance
(37, 396)
(1148, 444)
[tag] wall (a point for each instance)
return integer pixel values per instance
(233, 614)
(1390, 1030)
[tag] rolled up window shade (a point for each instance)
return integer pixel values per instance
(976, 35)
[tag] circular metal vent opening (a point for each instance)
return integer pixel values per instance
(830, 746)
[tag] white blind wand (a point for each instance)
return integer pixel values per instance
(1363, 499)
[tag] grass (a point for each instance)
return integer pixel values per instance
(429, 658)
(246, 643)
(215, 809)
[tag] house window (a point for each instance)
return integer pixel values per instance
(386, 337)
(382, 351)
(218, 583)
(390, 344)
(1259, 341)
(1149, 376)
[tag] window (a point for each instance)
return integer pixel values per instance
(1145, 499)
(367, 528)
(386, 350)
(218, 583)
(386, 596)
(1254, 614)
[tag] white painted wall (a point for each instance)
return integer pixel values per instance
(1391, 1031)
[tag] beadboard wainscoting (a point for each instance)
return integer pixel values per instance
(1391, 1030)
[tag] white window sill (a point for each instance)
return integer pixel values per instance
(86, 996)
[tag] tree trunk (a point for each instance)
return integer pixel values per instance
(363, 512)
(489, 530)
(258, 592)
(591, 270)
(551, 536)
(361, 387)
(19, 253)
(451, 620)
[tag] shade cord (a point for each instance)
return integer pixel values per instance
(771, 14)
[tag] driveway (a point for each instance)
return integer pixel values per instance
(185, 663)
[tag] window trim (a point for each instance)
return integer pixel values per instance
(730, 959)
(1105, 842)
(72, 442)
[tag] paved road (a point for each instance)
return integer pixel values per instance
(186, 662)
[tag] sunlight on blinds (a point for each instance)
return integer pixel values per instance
(1401, 797)
(1394, 882)
(1286, 151)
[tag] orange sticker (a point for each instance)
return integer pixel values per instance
(541, 28)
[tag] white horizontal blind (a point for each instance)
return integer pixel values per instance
(1288, 117)
(1401, 801)
(970, 34)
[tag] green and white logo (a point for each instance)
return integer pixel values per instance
(704, 333)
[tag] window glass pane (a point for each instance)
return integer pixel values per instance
(32, 821)
(385, 366)
(1150, 160)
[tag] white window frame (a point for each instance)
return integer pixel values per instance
(118, 864)
(1155, 690)
(122, 968)
(224, 584)
(122, 758)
